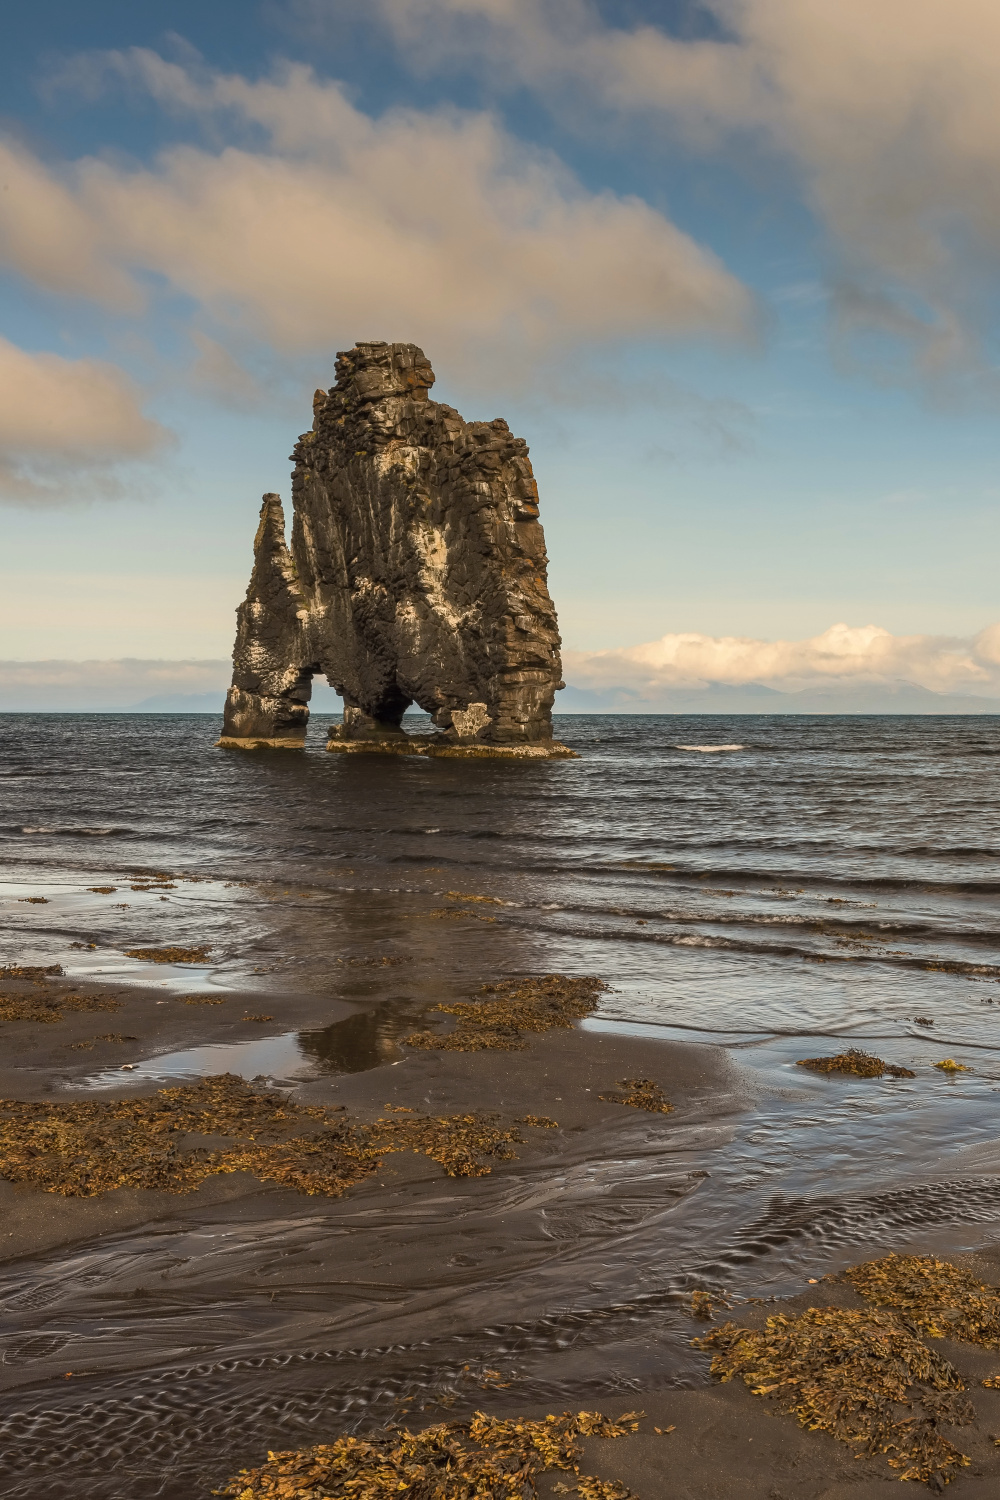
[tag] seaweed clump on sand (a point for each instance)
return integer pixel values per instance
(169, 955)
(49, 1008)
(848, 1373)
(384, 961)
(463, 1144)
(519, 1005)
(168, 1141)
(861, 1064)
(640, 1093)
(456, 914)
(940, 1299)
(485, 1457)
(107, 1036)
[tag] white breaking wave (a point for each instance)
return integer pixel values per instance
(709, 749)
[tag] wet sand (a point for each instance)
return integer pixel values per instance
(559, 1075)
(725, 1443)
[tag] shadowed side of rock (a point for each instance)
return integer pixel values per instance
(416, 574)
(271, 686)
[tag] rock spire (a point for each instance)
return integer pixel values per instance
(416, 573)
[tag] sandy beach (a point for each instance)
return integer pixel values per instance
(426, 1235)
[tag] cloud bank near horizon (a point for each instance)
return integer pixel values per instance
(840, 660)
(842, 656)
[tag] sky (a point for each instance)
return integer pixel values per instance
(730, 268)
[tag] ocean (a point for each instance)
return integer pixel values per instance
(780, 888)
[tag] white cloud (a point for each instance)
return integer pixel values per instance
(433, 226)
(890, 113)
(66, 425)
(843, 655)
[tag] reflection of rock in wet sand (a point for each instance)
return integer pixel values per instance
(360, 1042)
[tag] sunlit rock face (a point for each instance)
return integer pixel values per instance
(416, 574)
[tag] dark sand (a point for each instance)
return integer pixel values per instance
(727, 1443)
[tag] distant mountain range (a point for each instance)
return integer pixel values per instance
(717, 698)
(324, 701)
(754, 698)
(897, 697)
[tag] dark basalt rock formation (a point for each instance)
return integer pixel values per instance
(416, 574)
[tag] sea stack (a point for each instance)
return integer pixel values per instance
(416, 573)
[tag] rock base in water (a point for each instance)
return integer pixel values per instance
(439, 747)
(260, 742)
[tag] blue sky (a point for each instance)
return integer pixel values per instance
(729, 268)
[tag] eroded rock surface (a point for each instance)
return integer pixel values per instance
(416, 574)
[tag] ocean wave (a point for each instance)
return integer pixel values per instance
(870, 930)
(764, 881)
(710, 749)
(929, 962)
(74, 831)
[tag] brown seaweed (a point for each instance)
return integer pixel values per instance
(455, 914)
(941, 1299)
(49, 1008)
(640, 1093)
(521, 1005)
(383, 962)
(90, 1146)
(169, 955)
(847, 1373)
(108, 1036)
(35, 972)
(861, 1064)
(487, 1457)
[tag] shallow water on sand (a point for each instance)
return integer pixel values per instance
(782, 887)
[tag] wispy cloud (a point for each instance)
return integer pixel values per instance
(308, 223)
(889, 114)
(66, 427)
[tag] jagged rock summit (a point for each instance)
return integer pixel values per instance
(416, 574)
